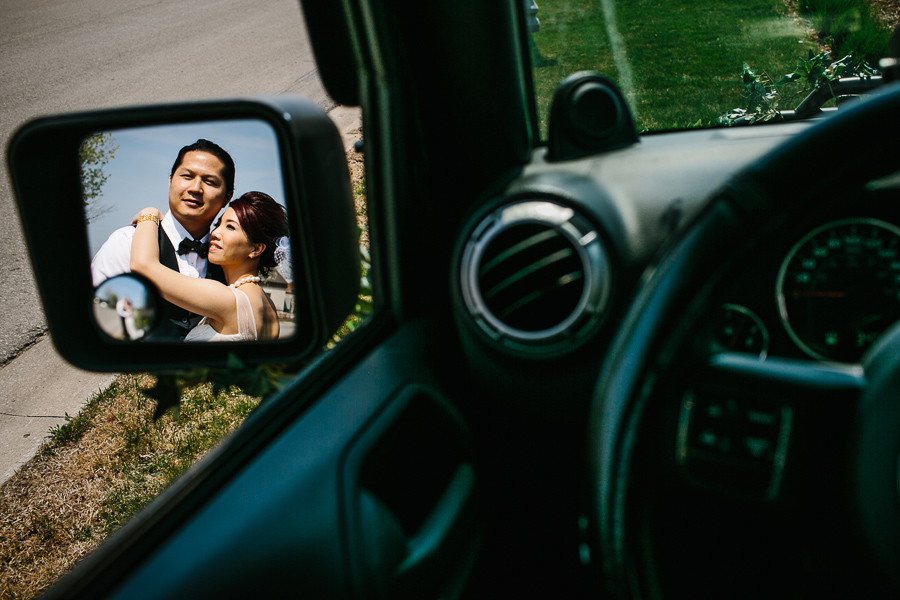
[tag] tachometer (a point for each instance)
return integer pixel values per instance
(740, 330)
(839, 288)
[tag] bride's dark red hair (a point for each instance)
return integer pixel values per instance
(263, 221)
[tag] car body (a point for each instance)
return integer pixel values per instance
(463, 443)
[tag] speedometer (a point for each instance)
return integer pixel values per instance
(839, 288)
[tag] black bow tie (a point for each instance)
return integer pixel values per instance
(189, 245)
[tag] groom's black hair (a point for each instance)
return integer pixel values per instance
(217, 151)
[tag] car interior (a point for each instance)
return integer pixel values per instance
(602, 362)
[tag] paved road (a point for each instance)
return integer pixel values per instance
(67, 55)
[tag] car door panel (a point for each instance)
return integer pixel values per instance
(380, 449)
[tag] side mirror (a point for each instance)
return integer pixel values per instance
(77, 178)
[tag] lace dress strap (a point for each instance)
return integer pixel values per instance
(246, 320)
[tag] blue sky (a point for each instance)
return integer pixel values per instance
(139, 172)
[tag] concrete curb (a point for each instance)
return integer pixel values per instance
(348, 120)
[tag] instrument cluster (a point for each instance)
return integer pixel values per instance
(825, 290)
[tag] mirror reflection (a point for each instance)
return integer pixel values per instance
(198, 210)
(125, 308)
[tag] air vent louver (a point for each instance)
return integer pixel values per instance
(535, 277)
(531, 277)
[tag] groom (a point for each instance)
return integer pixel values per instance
(200, 184)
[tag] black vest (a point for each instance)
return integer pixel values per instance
(175, 322)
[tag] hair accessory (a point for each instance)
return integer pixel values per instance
(283, 258)
(148, 217)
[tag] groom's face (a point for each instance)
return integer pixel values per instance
(197, 191)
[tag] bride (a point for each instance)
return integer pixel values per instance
(243, 244)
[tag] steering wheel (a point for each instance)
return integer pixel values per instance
(652, 363)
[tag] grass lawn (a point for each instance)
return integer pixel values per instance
(685, 57)
(99, 469)
(849, 26)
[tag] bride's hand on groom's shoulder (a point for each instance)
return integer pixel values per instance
(147, 211)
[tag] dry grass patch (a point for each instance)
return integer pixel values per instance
(356, 164)
(888, 12)
(97, 471)
(357, 168)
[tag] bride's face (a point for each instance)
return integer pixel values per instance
(229, 245)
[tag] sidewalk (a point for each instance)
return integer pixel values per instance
(38, 388)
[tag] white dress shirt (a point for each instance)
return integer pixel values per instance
(114, 256)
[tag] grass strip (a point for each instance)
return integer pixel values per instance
(99, 469)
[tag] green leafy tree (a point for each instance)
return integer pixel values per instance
(95, 152)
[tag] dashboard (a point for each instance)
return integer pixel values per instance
(823, 287)
(826, 289)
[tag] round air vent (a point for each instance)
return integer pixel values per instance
(535, 277)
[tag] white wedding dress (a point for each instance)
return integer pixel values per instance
(204, 332)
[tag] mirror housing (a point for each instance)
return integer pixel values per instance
(46, 179)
